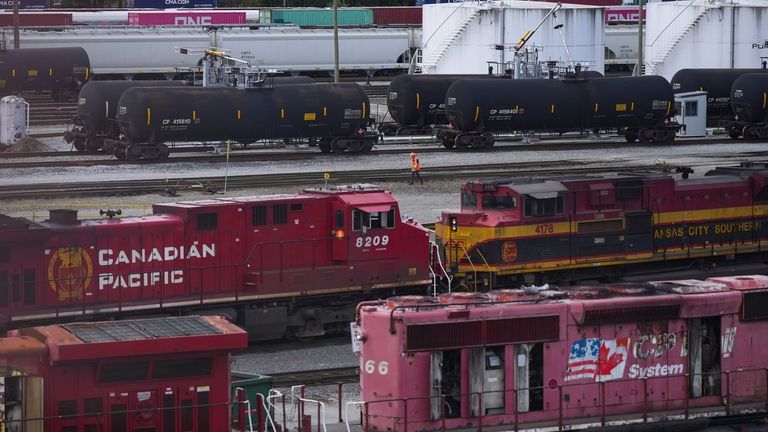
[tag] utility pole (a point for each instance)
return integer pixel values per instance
(335, 41)
(639, 69)
(15, 24)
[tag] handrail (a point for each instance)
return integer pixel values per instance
(681, 403)
(672, 21)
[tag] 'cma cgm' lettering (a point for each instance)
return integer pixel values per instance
(109, 257)
(637, 371)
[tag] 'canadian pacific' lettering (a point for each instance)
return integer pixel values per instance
(109, 257)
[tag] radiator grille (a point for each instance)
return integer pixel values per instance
(631, 314)
(442, 336)
(755, 306)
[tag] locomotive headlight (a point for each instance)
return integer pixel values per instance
(454, 224)
(340, 234)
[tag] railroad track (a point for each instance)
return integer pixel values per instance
(452, 172)
(392, 146)
(316, 377)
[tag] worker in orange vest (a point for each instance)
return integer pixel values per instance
(415, 169)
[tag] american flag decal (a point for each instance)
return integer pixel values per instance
(597, 359)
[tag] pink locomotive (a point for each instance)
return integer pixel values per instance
(558, 358)
(293, 264)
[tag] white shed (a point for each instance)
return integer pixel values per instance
(691, 110)
(705, 34)
(464, 37)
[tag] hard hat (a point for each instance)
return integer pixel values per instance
(413, 154)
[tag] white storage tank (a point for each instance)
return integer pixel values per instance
(13, 119)
(705, 34)
(462, 38)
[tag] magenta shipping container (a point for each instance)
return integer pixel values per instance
(184, 18)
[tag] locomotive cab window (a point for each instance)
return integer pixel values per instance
(542, 205)
(499, 202)
(363, 221)
(468, 200)
(207, 221)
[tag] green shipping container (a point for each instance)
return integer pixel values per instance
(253, 384)
(315, 17)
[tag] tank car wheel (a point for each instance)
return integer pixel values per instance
(448, 142)
(79, 144)
(164, 153)
(339, 145)
(325, 146)
(120, 153)
(750, 133)
(94, 145)
(488, 140)
(368, 146)
(462, 141)
(734, 132)
(630, 137)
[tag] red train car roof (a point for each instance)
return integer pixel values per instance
(154, 336)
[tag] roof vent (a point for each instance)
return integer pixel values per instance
(63, 216)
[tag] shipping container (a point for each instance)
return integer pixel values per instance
(26, 4)
(397, 15)
(167, 4)
(185, 18)
(37, 19)
(315, 17)
(622, 14)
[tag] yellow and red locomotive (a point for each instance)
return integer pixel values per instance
(604, 226)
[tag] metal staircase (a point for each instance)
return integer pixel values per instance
(430, 62)
(660, 55)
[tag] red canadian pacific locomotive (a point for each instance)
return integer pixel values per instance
(550, 359)
(605, 226)
(284, 264)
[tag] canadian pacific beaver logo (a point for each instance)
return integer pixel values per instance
(69, 272)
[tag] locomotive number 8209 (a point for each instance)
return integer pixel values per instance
(372, 241)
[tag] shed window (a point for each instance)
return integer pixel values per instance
(134, 371)
(280, 214)
(259, 216)
(691, 108)
(182, 368)
(543, 207)
(207, 221)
